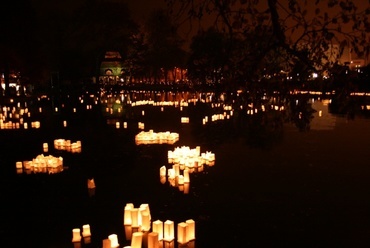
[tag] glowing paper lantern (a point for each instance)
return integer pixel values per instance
(135, 217)
(181, 179)
(153, 241)
(45, 147)
(86, 231)
(76, 236)
(190, 230)
(113, 240)
(186, 176)
(176, 168)
(90, 183)
(127, 219)
(162, 171)
(157, 226)
(181, 232)
(169, 230)
(18, 165)
(145, 222)
(144, 207)
(137, 240)
(171, 173)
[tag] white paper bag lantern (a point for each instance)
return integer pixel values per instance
(162, 171)
(127, 219)
(162, 179)
(176, 168)
(45, 147)
(18, 165)
(190, 230)
(86, 230)
(186, 176)
(144, 207)
(169, 230)
(137, 240)
(181, 233)
(153, 241)
(113, 240)
(135, 217)
(145, 222)
(76, 236)
(157, 226)
(181, 180)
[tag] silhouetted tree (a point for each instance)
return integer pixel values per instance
(164, 44)
(321, 27)
(18, 43)
(208, 56)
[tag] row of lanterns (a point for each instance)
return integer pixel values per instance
(152, 137)
(18, 125)
(65, 145)
(42, 164)
(190, 157)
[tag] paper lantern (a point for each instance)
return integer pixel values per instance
(45, 147)
(64, 123)
(145, 222)
(113, 240)
(106, 243)
(86, 230)
(145, 208)
(162, 171)
(137, 240)
(176, 168)
(186, 188)
(135, 217)
(180, 180)
(157, 226)
(186, 176)
(181, 232)
(127, 219)
(169, 230)
(171, 173)
(153, 241)
(90, 183)
(18, 165)
(190, 230)
(76, 236)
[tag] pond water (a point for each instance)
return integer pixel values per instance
(288, 171)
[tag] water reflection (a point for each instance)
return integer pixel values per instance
(111, 155)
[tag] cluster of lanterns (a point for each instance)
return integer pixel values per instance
(152, 137)
(14, 117)
(18, 125)
(190, 157)
(41, 163)
(140, 230)
(184, 160)
(65, 145)
(77, 235)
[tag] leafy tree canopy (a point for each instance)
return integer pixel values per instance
(313, 32)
